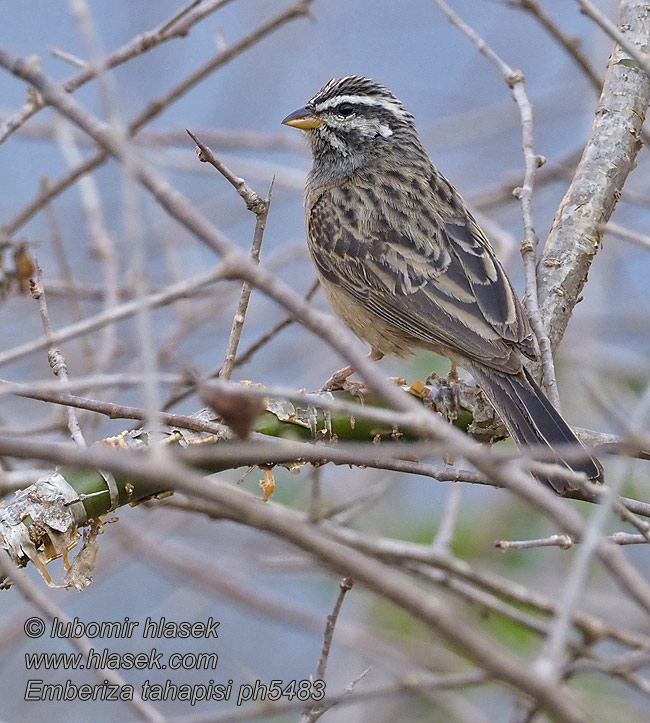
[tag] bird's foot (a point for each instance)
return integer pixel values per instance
(445, 396)
(356, 389)
(338, 379)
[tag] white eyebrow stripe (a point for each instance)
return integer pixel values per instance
(390, 105)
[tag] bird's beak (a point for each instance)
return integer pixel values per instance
(302, 118)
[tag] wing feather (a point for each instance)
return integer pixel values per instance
(437, 280)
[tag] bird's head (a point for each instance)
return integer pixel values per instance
(351, 123)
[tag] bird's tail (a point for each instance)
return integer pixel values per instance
(531, 419)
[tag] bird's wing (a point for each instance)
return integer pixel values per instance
(430, 273)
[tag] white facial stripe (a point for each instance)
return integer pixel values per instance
(368, 127)
(390, 105)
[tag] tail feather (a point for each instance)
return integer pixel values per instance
(531, 419)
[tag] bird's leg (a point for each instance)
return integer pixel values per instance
(452, 380)
(446, 400)
(338, 379)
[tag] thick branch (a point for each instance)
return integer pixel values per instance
(608, 158)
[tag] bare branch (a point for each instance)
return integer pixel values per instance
(388, 583)
(314, 712)
(55, 356)
(45, 605)
(570, 44)
(156, 107)
(187, 287)
(618, 36)
(248, 353)
(145, 41)
(532, 161)
(564, 542)
(260, 207)
(445, 535)
(609, 156)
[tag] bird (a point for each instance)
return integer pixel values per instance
(404, 264)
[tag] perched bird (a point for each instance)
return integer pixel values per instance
(403, 262)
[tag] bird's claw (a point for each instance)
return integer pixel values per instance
(337, 380)
(444, 394)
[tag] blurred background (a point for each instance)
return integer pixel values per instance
(272, 601)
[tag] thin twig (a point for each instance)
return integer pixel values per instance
(50, 610)
(181, 13)
(445, 535)
(121, 411)
(562, 541)
(345, 512)
(416, 683)
(55, 187)
(313, 712)
(565, 542)
(591, 11)
(165, 138)
(102, 242)
(184, 288)
(628, 516)
(67, 276)
(260, 207)
(68, 57)
(501, 192)
(254, 202)
(627, 233)
(55, 355)
(569, 43)
(317, 712)
(315, 499)
(156, 106)
(194, 314)
(139, 44)
(247, 354)
(548, 663)
(532, 161)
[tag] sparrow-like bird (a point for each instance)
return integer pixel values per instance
(403, 262)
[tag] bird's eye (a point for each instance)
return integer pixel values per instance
(345, 109)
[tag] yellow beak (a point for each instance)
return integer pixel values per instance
(302, 118)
